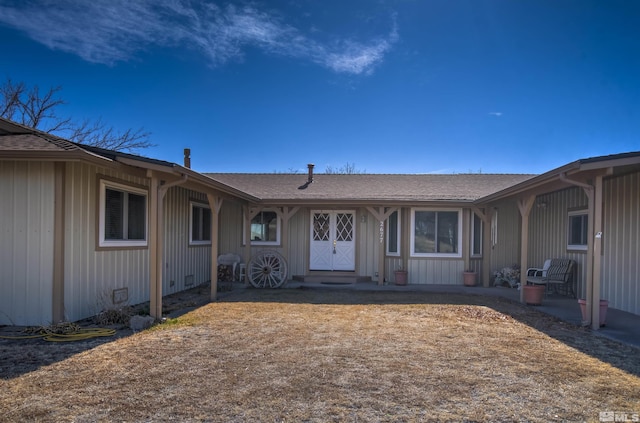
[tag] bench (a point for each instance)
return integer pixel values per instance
(556, 273)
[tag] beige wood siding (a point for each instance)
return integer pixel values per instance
(26, 242)
(91, 275)
(298, 256)
(548, 230)
(230, 233)
(621, 243)
(506, 250)
(186, 266)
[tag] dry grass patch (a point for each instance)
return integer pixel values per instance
(318, 356)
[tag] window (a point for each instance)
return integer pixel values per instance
(393, 234)
(476, 236)
(265, 228)
(578, 227)
(435, 233)
(123, 216)
(200, 225)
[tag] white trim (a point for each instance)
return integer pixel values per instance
(435, 255)
(102, 242)
(278, 229)
(570, 214)
(193, 204)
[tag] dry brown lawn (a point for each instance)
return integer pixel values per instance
(328, 355)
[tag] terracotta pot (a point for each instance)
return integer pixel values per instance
(469, 278)
(604, 305)
(533, 294)
(401, 277)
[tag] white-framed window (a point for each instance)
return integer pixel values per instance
(436, 233)
(476, 236)
(577, 230)
(393, 234)
(265, 228)
(122, 215)
(199, 224)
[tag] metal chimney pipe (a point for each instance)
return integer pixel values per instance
(187, 158)
(310, 178)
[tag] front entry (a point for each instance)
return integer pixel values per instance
(333, 240)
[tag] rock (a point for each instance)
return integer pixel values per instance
(138, 323)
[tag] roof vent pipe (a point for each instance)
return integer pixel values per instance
(310, 178)
(187, 158)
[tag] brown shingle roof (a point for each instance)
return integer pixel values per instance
(369, 187)
(33, 142)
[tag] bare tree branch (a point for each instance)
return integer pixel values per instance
(32, 108)
(346, 169)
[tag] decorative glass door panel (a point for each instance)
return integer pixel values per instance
(332, 240)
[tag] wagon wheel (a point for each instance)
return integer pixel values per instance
(267, 270)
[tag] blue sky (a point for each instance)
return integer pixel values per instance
(443, 86)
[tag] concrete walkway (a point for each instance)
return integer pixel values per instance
(620, 326)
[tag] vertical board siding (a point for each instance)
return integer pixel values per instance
(298, 259)
(26, 242)
(620, 280)
(435, 271)
(91, 275)
(548, 231)
(181, 259)
(506, 251)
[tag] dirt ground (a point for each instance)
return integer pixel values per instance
(326, 355)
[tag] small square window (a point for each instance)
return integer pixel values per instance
(265, 228)
(200, 233)
(122, 216)
(577, 230)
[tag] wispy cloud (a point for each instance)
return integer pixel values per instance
(111, 31)
(496, 114)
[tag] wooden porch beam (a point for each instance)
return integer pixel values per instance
(524, 205)
(215, 204)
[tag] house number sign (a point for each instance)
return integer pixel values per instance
(381, 231)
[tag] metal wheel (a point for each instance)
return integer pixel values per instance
(267, 269)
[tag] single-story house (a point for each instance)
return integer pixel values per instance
(86, 228)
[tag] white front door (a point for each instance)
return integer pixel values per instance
(333, 240)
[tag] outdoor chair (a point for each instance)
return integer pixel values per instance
(232, 260)
(556, 274)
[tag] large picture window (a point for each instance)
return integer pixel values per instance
(200, 224)
(435, 233)
(578, 228)
(123, 216)
(265, 228)
(393, 234)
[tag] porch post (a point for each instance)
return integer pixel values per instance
(597, 257)
(57, 296)
(215, 204)
(285, 214)
(524, 205)
(486, 243)
(155, 248)
(381, 216)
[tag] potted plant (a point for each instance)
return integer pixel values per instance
(533, 294)
(400, 276)
(469, 277)
(604, 305)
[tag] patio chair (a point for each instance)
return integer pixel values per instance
(232, 260)
(555, 273)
